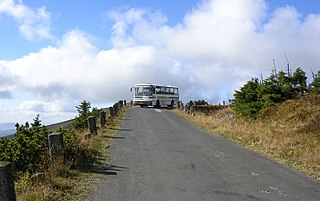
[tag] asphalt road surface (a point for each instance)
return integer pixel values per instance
(158, 156)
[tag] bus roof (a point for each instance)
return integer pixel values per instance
(158, 85)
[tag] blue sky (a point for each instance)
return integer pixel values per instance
(54, 54)
(92, 17)
(88, 16)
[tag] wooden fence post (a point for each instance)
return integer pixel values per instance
(111, 111)
(125, 103)
(92, 125)
(120, 104)
(115, 109)
(186, 109)
(192, 110)
(7, 192)
(56, 147)
(103, 118)
(181, 107)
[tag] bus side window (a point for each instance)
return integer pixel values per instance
(163, 90)
(167, 90)
(158, 90)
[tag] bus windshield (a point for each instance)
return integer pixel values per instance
(144, 91)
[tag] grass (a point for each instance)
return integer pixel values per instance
(288, 132)
(62, 182)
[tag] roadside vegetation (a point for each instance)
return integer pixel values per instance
(278, 117)
(37, 178)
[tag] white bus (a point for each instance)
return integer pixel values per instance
(155, 95)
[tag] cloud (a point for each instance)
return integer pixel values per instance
(219, 45)
(5, 95)
(34, 23)
(75, 70)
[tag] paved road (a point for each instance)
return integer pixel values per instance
(158, 156)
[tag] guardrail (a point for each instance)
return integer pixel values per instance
(206, 109)
(56, 147)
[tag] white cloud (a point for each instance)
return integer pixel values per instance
(218, 46)
(33, 23)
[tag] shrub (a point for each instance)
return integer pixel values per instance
(27, 148)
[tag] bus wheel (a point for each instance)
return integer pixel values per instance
(157, 104)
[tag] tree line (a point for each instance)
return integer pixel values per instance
(280, 86)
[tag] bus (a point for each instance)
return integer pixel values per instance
(155, 95)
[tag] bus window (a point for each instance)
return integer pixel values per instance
(158, 90)
(138, 91)
(147, 91)
(163, 90)
(144, 91)
(167, 90)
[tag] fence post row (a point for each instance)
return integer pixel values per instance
(103, 119)
(92, 125)
(7, 192)
(56, 147)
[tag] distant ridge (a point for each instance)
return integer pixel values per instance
(52, 127)
(4, 133)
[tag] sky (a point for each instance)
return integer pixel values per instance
(54, 54)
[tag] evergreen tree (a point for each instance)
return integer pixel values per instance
(314, 87)
(80, 121)
(299, 82)
(36, 121)
(84, 108)
(248, 99)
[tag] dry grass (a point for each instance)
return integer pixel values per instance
(60, 182)
(288, 133)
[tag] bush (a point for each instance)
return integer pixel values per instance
(78, 153)
(28, 147)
